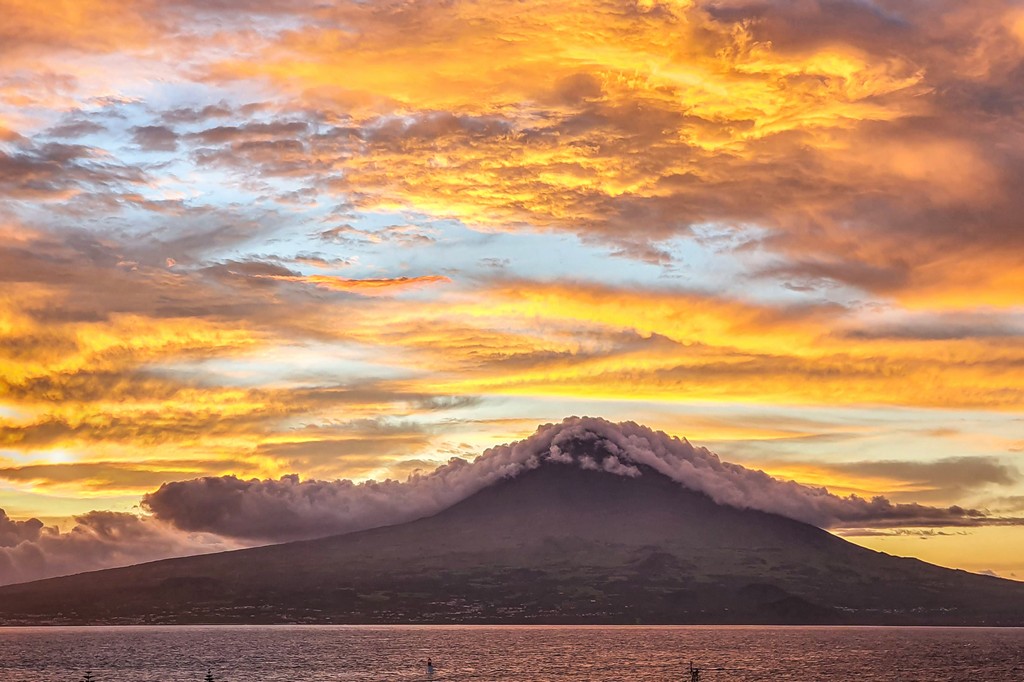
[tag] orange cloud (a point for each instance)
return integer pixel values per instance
(561, 339)
(633, 122)
(366, 287)
(89, 25)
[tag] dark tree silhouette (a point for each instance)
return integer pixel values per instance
(209, 676)
(88, 677)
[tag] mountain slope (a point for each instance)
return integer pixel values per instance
(554, 544)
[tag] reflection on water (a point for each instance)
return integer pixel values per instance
(640, 654)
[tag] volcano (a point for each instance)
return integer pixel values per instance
(556, 543)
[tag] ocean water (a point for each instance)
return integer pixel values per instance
(541, 653)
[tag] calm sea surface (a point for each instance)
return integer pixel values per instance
(641, 654)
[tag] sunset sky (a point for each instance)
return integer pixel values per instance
(356, 239)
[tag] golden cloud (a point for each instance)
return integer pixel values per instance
(877, 151)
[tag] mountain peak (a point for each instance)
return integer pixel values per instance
(289, 508)
(577, 527)
(594, 444)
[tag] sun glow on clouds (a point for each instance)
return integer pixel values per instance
(353, 239)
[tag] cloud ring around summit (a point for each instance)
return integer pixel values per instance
(218, 513)
(289, 508)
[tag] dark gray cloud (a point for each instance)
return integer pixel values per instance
(1007, 504)
(250, 132)
(155, 138)
(13, 533)
(196, 115)
(53, 171)
(948, 478)
(75, 128)
(99, 539)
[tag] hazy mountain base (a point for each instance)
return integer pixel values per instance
(554, 545)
